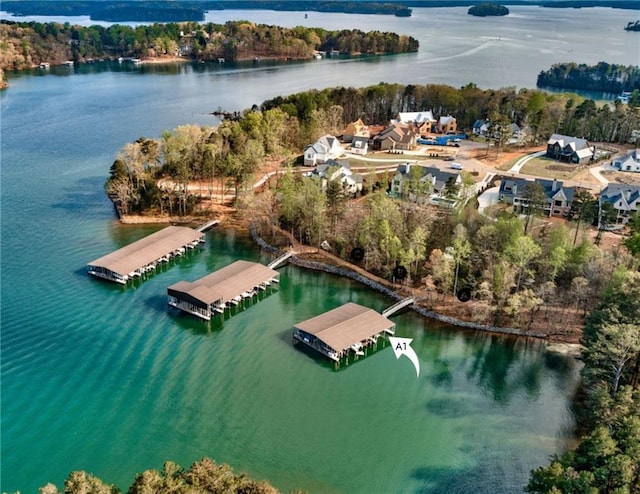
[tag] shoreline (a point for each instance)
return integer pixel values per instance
(312, 258)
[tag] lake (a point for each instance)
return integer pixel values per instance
(108, 380)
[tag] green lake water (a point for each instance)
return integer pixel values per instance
(109, 380)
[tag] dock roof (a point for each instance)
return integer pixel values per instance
(147, 250)
(226, 283)
(346, 325)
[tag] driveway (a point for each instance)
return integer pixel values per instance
(488, 198)
(521, 162)
(595, 171)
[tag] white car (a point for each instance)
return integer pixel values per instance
(456, 166)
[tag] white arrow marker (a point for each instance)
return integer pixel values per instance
(402, 346)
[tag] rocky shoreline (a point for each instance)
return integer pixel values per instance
(297, 260)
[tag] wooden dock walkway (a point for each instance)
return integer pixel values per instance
(207, 225)
(277, 262)
(397, 306)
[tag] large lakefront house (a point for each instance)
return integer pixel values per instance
(557, 196)
(422, 183)
(624, 198)
(570, 149)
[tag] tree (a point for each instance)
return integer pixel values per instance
(606, 218)
(461, 251)
(584, 207)
(336, 203)
(632, 243)
(522, 252)
(614, 347)
(536, 201)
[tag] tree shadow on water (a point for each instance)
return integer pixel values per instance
(490, 476)
(85, 197)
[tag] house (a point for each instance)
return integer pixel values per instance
(359, 145)
(422, 120)
(625, 199)
(558, 198)
(397, 136)
(447, 125)
(480, 127)
(357, 128)
(569, 149)
(418, 183)
(340, 171)
(324, 149)
(628, 163)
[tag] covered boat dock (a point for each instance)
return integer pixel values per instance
(145, 254)
(348, 328)
(221, 289)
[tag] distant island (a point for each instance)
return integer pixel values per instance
(177, 11)
(33, 44)
(488, 9)
(605, 77)
(633, 26)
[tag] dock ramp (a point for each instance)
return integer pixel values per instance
(397, 306)
(277, 262)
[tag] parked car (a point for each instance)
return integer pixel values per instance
(449, 158)
(456, 166)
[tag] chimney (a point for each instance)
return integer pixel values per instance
(554, 186)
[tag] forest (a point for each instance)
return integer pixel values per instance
(605, 77)
(27, 44)
(607, 457)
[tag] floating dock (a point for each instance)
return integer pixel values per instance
(221, 289)
(344, 330)
(146, 254)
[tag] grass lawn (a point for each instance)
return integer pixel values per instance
(548, 168)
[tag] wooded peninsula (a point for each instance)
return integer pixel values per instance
(29, 44)
(605, 77)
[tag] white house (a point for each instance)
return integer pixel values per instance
(324, 149)
(359, 145)
(341, 171)
(628, 163)
(624, 198)
(480, 127)
(421, 119)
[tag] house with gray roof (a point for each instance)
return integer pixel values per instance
(558, 197)
(624, 198)
(326, 148)
(570, 149)
(418, 183)
(628, 163)
(339, 170)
